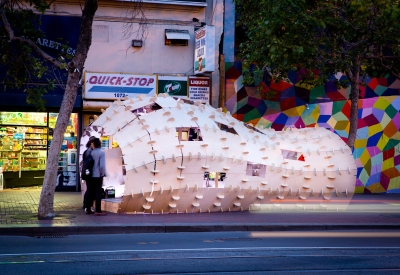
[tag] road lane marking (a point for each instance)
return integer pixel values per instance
(231, 249)
(330, 234)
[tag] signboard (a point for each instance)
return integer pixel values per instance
(61, 34)
(23, 118)
(66, 181)
(204, 53)
(173, 85)
(199, 89)
(113, 86)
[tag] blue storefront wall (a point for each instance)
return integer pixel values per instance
(57, 30)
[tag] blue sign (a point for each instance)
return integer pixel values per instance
(59, 30)
(18, 136)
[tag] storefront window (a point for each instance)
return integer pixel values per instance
(70, 133)
(25, 138)
(72, 127)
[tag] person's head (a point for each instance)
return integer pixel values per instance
(90, 141)
(96, 143)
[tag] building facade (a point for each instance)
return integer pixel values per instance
(156, 42)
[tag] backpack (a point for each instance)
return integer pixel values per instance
(87, 166)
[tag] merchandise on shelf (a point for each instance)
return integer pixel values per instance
(25, 138)
(10, 160)
(10, 147)
(33, 160)
(35, 139)
(62, 161)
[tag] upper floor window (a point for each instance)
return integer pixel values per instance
(176, 37)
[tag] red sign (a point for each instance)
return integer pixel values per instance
(199, 89)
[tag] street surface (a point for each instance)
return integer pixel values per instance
(299, 252)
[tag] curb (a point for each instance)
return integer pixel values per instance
(60, 230)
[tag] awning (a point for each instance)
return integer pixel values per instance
(177, 34)
(198, 3)
(91, 105)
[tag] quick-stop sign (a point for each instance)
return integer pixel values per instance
(112, 86)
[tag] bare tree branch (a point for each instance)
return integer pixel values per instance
(135, 12)
(2, 4)
(382, 57)
(396, 75)
(29, 42)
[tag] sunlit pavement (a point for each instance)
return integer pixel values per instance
(372, 205)
(18, 208)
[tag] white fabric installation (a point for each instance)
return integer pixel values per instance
(182, 157)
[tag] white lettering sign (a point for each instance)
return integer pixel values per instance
(199, 89)
(111, 86)
(204, 55)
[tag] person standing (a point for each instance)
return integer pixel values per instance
(99, 172)
(88, 197)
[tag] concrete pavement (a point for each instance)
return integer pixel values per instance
(18, 208)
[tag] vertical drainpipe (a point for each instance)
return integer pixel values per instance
(213, 13)
(209, 21)
(78, 146)
(222, 80)
(221, 60)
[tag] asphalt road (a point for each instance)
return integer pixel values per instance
(327, 252)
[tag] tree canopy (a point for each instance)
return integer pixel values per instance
(19, 28)
(27, 63)
(355, 37)
(24, 64)
(286, 35)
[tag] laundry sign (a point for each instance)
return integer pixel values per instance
(113, 86)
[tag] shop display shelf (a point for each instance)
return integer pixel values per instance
(28, 144)
(33, 157)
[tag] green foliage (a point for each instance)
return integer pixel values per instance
(35, 94)
(323, 37)
(22, 65)
(40, 5)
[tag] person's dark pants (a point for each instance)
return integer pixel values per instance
(98, 190)
(84, 199)
(89, 194)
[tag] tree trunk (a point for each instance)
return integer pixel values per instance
(75, 70)
(354, 78)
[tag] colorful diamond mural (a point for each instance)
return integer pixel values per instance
(279, 105)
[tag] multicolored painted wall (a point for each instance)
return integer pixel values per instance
(284, 104)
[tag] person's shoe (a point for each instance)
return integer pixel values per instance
(89, 212)
(100, 214)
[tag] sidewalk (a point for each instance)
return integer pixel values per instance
(18, 208)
